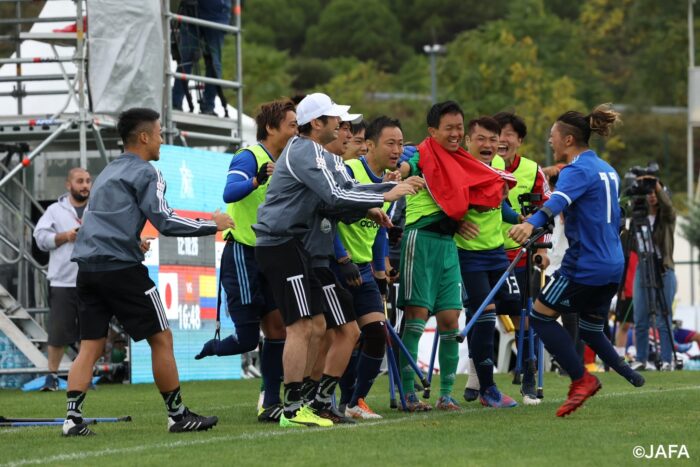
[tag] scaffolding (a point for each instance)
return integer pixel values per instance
(74, 130)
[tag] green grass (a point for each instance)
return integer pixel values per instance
(665, 411)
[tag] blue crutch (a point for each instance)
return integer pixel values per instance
(431, 367)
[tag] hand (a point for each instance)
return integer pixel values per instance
(544, 259)
(223, 220)
(145, 244)
(380, 217)
(264, 173)
(468, 230)
(393, 276)
(399, 191)
(394, 176)
(416, 182)
(521, 232)
(71, 235)
(350, 273)
(395, 234)
(383, 285)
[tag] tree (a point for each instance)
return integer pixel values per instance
(489, 70)
(265, 73)
(280, 24)
(365, 29)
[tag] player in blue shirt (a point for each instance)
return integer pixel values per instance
(587, 193)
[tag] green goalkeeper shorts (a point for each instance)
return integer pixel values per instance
(430, 274)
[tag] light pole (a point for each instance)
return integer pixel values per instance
(433, 51)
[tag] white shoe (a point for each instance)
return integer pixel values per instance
(361, 411)
(529, 400)
(666, 366)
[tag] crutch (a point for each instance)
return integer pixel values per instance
(395, 337)
(431, 367)
(531, 241)
(540, 344)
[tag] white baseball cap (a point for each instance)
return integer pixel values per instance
(352, 118)
(317, 105)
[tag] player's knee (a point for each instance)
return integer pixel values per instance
(318, 326)
(374, 339)
(248, 338)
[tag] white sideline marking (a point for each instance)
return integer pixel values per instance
(264, 434)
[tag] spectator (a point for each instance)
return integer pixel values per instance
(662, 220)
(199, 41)
(56, 232)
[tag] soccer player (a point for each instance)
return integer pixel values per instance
(357, 147)
(249, 299)
(301, 187)
(482, 262)
(587, 193)
(361, 250)
(431, 283)
(111, 279)
(530, 179)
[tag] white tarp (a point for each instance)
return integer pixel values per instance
(125, 43)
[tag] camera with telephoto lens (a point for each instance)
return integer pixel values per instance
(636, 186)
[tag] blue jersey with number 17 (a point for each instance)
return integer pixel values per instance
(587, 192)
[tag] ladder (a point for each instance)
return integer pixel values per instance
(26, 334)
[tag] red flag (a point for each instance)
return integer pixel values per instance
(457, 180)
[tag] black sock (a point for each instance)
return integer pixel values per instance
(74, 407)
(308, 389)
(292, 398)
(173, 402)
(326, 388)
(592, 333)
(272, 371)
(481, 347)
(347, 381)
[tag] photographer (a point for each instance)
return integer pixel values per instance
(662, 220)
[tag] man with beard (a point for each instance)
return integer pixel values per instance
(56, 232)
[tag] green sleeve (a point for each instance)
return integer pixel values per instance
(413, 163)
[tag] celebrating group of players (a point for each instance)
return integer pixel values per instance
(306, 261)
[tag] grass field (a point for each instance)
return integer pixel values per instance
(604, 432)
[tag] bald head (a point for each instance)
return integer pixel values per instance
(75, 172)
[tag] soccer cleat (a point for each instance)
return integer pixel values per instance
(70, 428)
(447, 403)
(493, 398)
(361, 411)
(666, 366)
(332, 414)
(304, 417)
(470, 395)
(580, 390)
(270, 414)
(413, 404)
(50, 384)
(190, 421)
(529, 392)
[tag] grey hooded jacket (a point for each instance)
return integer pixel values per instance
(59, 217)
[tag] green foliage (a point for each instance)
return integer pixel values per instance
(691, 228)
(365, 29)
(279, 24)
(266, 73)
(504, 73)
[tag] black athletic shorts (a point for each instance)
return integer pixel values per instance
(338, 301)
(129, 294)
(478, 285)
(566, 296)
(295, 288)
(63, 316)
(248, 294)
